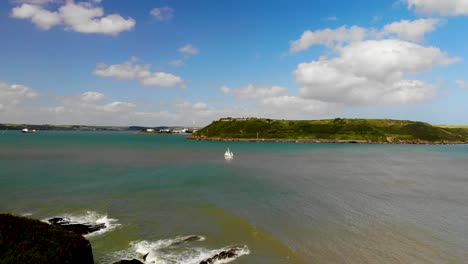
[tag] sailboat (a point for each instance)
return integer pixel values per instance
(228, 154)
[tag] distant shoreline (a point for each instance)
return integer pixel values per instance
(335, 141)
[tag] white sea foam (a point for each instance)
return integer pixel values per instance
(173, 251)
(90, 218)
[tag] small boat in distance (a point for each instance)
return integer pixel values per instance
(228, 154)
(25, 130)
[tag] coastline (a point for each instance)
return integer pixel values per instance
(335, 141)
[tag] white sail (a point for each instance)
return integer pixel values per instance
(228, 154)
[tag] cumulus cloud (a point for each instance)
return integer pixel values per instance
(412, 30)
(294, 107)
(161, 79)
(462, 84)
(164, 13)
(83, 17)
(142, 73)
(371, 72)
(255, 92)
(439, 7)
(275, 102)
(328, 37)
(89, 108)
(12, 94)
(15, 101)
(42, 18)
(189, 50)
(91, 97)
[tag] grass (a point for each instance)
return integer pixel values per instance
(372, 130)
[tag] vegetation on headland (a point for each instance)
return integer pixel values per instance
(331, 130)
(24, 240)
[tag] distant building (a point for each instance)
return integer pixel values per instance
(149, 130)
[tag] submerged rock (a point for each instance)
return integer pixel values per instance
(133, 261)
(230, 253)
(81, 229)
(187, 239)
(24, 240)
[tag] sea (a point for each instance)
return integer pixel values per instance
(274, 202)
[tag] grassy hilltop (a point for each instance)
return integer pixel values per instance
(333, 130)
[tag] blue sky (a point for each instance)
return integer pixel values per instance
(174, 62)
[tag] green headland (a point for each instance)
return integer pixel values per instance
(337, 130)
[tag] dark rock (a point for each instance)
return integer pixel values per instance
(133, 261)
(81, 229)
(186, 240)
(24, 240)
(230, 253)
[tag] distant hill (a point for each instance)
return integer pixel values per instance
(331, 130)
(81, 127)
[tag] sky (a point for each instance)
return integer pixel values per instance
(179, 62)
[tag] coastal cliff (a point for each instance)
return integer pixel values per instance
(384, 131)
(24, 240)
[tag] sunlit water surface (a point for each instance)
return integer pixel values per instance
(280, 202)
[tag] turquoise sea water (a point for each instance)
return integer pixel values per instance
(280, 202)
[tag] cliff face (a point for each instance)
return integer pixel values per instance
(24, 240)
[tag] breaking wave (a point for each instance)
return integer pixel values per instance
(89, 218)
(177, 251)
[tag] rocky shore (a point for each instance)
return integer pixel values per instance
(338, 141)
(24, 240)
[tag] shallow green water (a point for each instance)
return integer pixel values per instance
(286, 202)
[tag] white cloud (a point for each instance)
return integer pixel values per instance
(189, 50)
(462, 84)
(162, 79)
(89, 108)
(91, 97)
(42, 18)
(120, 107)
(15, 101)
(82, 17)
(127, 70)
(13, 94)
(440, 7)
(255, 92)
(164, 13)
(87, 18)
(371, 72)
(142, 73)
(328, 37)
(294, 106)
(412, 30)
(274, 102)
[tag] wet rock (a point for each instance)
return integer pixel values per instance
(188, 239)
(133, 261)
(81, 229)
(230, 253)
(24, 240)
